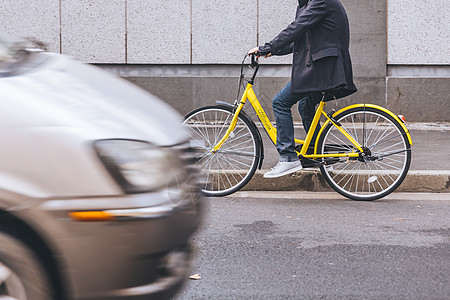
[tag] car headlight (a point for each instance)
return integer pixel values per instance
(138, 166)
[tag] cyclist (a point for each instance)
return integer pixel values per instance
(319, 40)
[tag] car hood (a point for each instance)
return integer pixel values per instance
(64, 93)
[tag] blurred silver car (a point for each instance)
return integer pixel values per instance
(98, 193)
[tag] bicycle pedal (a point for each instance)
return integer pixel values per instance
(310, 164)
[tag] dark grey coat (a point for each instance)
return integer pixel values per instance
(319, 38)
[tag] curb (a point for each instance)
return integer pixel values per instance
(311, 180)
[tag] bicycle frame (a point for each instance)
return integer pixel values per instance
(272, 132)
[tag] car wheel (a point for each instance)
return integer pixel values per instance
(22, 275)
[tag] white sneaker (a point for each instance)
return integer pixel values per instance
(284, 168)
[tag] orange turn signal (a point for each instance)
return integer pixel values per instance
(91, 216)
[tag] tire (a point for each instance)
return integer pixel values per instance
(384, 165)
(233, 165)
(22, 276)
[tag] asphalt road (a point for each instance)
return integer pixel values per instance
(263, 245)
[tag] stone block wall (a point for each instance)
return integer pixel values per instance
(418, 59)
(188, 51)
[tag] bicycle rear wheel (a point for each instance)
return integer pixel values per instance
(234, 164)
(386, 159)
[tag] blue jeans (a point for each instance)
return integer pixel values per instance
(282, 104)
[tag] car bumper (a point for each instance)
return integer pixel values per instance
(142, 252)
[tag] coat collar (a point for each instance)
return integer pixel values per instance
(302, 3)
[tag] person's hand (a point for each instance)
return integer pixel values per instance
(254, 50)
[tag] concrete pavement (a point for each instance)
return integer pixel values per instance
(429, 171)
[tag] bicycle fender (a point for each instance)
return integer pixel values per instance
(382, 109)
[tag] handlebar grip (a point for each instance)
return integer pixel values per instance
(254, 61)
(255, 54)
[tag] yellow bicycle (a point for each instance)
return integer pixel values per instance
(363, 150)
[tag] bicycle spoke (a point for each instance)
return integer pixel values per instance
(237, 145)
(199, 131)
(224, 127)
(354, 130)
(237, 153)
(386, 165)
(340, 140)
(380, 169)
(382, 135)
(224, 174)
(396, 144)
(371, 131)
(238, 162)
(234, 168)
(344, 173)
(208, 138)
(342, 170)
(392, 160)
(386, 141)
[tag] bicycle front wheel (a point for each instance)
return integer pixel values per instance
(233, 165)
(386, 159)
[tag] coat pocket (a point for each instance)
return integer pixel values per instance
(327, 52)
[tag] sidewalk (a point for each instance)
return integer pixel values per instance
(429, 171)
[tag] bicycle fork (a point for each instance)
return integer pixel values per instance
(232, 124)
